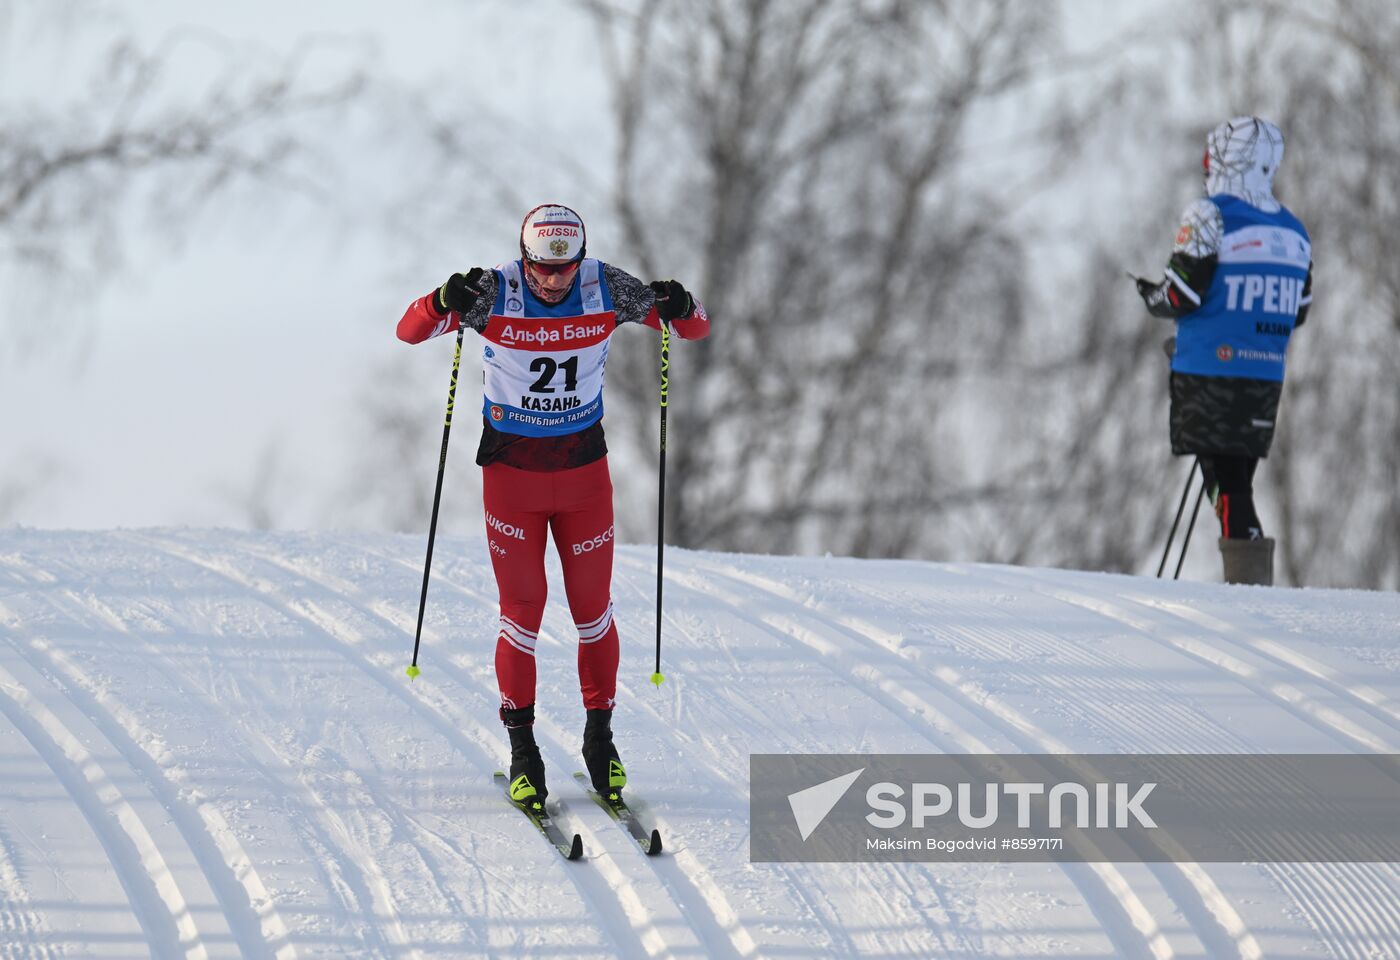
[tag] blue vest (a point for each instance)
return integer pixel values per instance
(1246, 317)
(544, 364)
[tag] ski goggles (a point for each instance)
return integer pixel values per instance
(553, 269)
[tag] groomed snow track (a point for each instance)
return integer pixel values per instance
(209, 749)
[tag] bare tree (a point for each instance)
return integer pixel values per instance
(69, 173)
(826, 177)
(147, 135)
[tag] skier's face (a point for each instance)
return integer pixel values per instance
(551, 279)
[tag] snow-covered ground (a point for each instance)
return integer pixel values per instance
(208, 747)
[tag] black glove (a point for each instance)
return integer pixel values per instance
(460, 292)
(673, 301)
(1146, 288)
(1159, 297)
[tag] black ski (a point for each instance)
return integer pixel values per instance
(617, 809)
(539, 816)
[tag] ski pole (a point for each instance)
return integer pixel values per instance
(656, 677)
(1185, 492)
(1186, 540)
(413, 670)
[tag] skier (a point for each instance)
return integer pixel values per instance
(1238, 283)
(546, 319)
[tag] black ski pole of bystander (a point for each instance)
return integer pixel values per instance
(1191, 525)
(1180, 508)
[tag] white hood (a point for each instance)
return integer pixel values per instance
(1242, 156)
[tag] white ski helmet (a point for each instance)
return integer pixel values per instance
(1242, 156)
(552, 232)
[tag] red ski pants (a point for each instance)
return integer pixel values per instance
(577, 506)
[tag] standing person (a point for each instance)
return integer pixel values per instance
(1238, 283)
(546, 319)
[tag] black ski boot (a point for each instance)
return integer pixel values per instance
(527, 785)
(600, 755)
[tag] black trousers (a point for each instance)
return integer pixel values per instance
(1230, 483)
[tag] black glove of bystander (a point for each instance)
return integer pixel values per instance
(1146, 288)
(460, 292)
(673, 301)
(1159, 297)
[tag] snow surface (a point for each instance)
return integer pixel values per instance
(208, 747)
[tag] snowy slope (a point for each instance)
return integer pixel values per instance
(208, 748)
